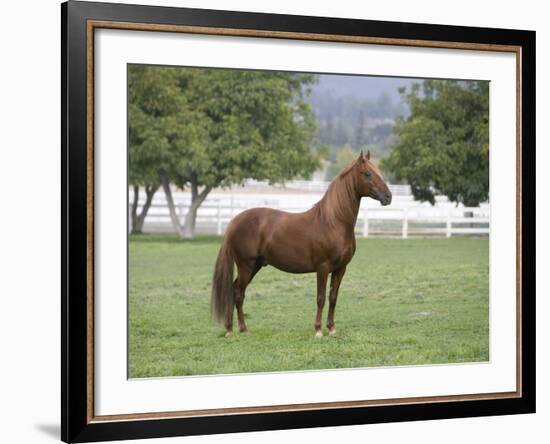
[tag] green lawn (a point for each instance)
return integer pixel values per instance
(402, 302)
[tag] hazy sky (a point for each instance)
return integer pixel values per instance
(362, 86)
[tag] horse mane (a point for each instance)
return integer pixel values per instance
(340, 202)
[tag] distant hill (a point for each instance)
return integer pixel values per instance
(357, 112)
(360, 87)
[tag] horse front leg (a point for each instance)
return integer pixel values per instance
(321, 296)
(335, 281)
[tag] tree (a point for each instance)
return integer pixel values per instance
(152, 99)
(443, 146)
(229, 125)
(360, 130)
(344, 157)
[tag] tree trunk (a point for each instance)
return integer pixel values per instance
(139, 219)
(133, 214)
(196, 200)
(188, 229)
(189, 224)
(171, 207)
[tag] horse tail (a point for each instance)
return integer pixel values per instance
(222, 302)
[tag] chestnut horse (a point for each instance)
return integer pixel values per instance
(320, 240)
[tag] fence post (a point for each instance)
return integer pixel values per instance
(365, 223)
(219, 229)
(405, 233)
(448, 224)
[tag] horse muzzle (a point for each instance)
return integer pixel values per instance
(385, 198)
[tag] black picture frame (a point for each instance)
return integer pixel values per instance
(76, 423)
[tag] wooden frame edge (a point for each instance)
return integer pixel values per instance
(90, 119)
(519, 220)
(236, 32)
(301, 407)
(91, 25)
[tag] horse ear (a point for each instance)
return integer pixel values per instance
(368, 154)
(361, 156)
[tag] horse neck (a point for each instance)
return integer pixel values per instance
(340, 204)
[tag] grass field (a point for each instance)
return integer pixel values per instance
(402, 302)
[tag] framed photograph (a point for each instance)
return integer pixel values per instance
(368, 186)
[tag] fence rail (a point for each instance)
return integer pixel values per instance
(215, 214)
(318, 186)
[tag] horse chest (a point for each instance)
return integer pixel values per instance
(342, 253)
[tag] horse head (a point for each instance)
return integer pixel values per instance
(369, 181)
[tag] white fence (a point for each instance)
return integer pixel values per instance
(403, 218)
(318, 186)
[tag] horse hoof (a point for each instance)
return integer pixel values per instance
(228, 334)
(243, 330)
(331, 331)
(319, 334)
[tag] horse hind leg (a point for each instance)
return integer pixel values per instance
(238, 294)
(246, 274)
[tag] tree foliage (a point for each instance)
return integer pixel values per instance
(200, 128)
(443, 146)
(343, 158)
(152, 101)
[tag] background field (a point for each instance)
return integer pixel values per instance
(402, 302)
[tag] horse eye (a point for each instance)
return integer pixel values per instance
(366, 174)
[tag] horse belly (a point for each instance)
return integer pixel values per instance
(288, 254)
(290, 263)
